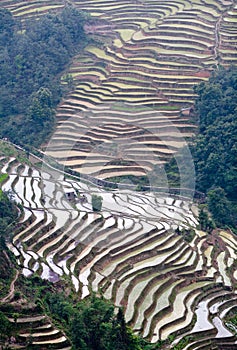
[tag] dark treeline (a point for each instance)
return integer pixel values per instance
(8, 213)
(94, 324)
(8, 217)
(31, 63)
(215, 147)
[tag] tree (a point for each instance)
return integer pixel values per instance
(5, 326)
(220, 207)
(206, 224)
(15, 316)
(8, 213)
(31, 62)
(41, 109)
(6, 27)
(214, 150)
(91, 326)
(121, 335)
(96, 202)
(94, 324)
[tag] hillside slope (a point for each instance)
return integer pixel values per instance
(142, 251)
(129, 110)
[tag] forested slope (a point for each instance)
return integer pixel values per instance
(215, 148)
(32, 59)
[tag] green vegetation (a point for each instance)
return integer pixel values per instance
(231, 321)
(96, 202)
(214, 150)
(182, 343)
(7, 150)
(8, 212)
(3, 177)
(205, 222)
(188, 234)
(139, 181)
(90, 324)
(31, 62)
(94, 324)
(172, 172)
(5, 326)
(8, 217)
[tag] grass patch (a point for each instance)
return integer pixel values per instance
(7, 150)
(3, 177)
(124, 108)
(139, 181)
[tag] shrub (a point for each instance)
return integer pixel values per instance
(96, 202)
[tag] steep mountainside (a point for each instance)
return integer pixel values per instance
(142, 251)
(129, 110)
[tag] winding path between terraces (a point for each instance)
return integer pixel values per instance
(12, 289)
(217, 31)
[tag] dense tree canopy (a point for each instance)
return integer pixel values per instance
(6, 27)
(5, 326)
(31, 60)
(215, 148)
(8, 213)
(94, 324)
(8, 217)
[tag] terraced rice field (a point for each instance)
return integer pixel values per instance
(133, 94)
(40, 332)
(131, 110)
(130, 250)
